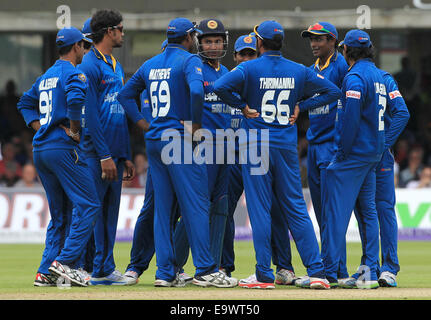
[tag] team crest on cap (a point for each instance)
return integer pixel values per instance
(248, 39)
(82, 77)
(212, 24)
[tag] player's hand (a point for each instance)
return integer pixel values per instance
(75, 136)
(35, 125)
(109, 170)
(294, 116)
(143, 125)
(129, 170)
(193, 129)
(250, 113)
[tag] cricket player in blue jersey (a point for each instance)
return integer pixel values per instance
(213, 42)
(245, 50)
(106, 138)
(175, 85)
(351, 175)
(323, 38)
(395, 119)
(270, 87)
(143, 237)
(52, 107)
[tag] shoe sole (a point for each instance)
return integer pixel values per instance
(38, 284)
(206, 284)
(367, 286)
(385, 284)
(319, 285)
(257, 286)
(64, 275)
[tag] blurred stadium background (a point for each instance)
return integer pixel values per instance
(399, 29)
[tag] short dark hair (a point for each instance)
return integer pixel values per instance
(65, 50)
(273, 44)
(102, 20)
(177, 40)
(355, 54)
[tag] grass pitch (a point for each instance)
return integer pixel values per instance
(19, 263)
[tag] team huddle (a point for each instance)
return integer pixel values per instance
(184, 97)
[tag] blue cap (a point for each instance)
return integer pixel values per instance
(269, 29)
(86, 29)
(164, 44)
(320, 28)
(180, 27)
(245, 42)
(68, 36)
(356, 38)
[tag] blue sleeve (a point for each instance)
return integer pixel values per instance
(130, 92)
(321, 91)
(28, 105)
(146, 109)
(355, 94)
(76, 90)
(398, 110)
(232, 82)
(194, 78)
(92, 119)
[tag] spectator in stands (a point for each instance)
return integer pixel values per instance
(414, 167)
(11, 121)
(10, 169)
(29, 177)
(424, 179)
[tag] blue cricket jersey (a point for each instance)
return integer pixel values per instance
(322, 119)
(216, 114)
(360, 129)
(273, 85)
(396, 115)
(55, 97)
(173, 73)
(146, 106)
(105, 127)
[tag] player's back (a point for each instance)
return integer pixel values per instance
(366, 77)
(54, 91)
(166, 78)
(273, 87)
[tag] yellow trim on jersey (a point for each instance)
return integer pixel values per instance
(316, 64)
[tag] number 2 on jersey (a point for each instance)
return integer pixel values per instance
(160, 94)
(382, 102)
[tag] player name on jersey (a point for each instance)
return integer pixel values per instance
(277, 83)
(159, 74)
(319, 110)
(47, 84)
(380, 88)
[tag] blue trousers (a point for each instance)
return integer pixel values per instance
(385, 205)
(143, 236)
(280, 241)
(318, 158)
(351, 182)
(283, 182)
(188, 183)
(65, 177)
(105, 229)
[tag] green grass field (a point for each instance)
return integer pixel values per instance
(19, 263)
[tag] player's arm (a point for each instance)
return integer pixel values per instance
(127, 96)
(232, 82)
(28, 106)
(397, 107)
(76, 90)
(320, 90)
(92, 122)
(349, 127)
(194, 78)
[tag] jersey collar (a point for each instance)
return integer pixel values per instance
(332, 57)
(100, 55)
(273, 53)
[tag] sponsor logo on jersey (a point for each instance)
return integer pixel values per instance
(82, 77)
(353, 94)
(395, 94)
